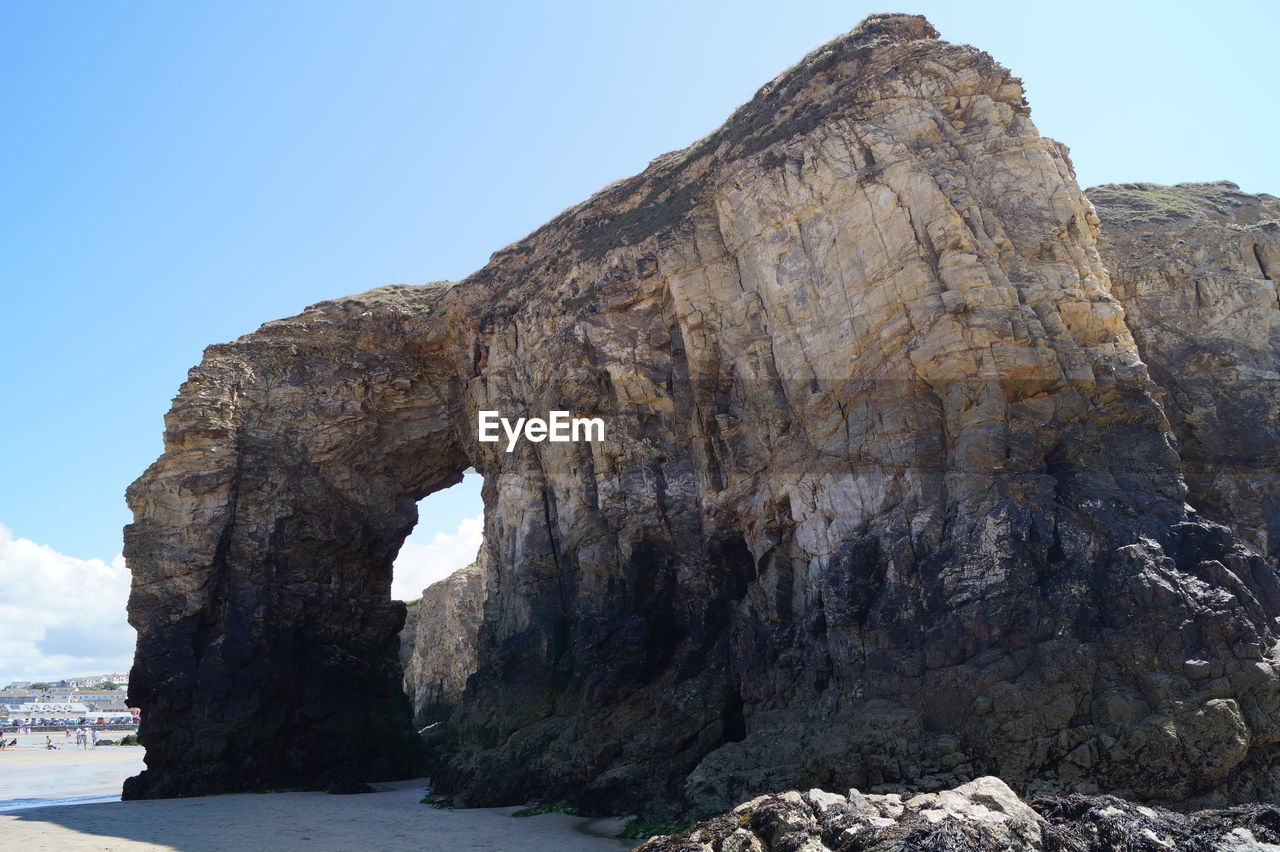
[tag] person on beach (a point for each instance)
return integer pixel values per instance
(48, 743)
(93, 735)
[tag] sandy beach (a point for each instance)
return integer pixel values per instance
(391, 818)
(31, 774)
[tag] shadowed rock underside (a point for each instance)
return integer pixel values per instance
(887, 497)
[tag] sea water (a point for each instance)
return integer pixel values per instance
(32, 776)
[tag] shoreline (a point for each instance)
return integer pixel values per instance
(32, 776)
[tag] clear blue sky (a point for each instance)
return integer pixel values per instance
(175, 174)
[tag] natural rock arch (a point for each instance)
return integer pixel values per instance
(262, 554)
(887, 496)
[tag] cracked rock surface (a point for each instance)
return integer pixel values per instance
(983, 814)
(887, 496)
(1196, 267)
(438, 643)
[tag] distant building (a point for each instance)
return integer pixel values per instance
(46, 710)
(116, 678)
(102, 700)
(61, 687)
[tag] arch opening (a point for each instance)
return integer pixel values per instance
(445, 538)
(438, 576)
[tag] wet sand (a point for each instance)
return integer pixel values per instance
(390, 819)
(31, 774)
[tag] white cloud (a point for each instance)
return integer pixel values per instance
(419, 565)
(60, 616)
(65, 617)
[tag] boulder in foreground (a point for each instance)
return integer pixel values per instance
(983, 815)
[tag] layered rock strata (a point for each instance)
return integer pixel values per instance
(983, 814)
(886, 495)
(438, 643)
(1196, 267)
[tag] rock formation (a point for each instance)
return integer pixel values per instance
(1195, 266)
(438, 643)
(983, 814)
(886, 496)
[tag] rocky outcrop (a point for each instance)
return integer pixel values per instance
(983, 814)
(438, 643)
(407, 634)
(886, 495)
(1196, 268)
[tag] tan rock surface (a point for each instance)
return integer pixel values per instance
(1196, 268)
(886, 496)
(438, 643)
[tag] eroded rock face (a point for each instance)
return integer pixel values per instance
(886, 495)
(261, 554)
(1196, 268)
(438, 643)
(983, 814)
